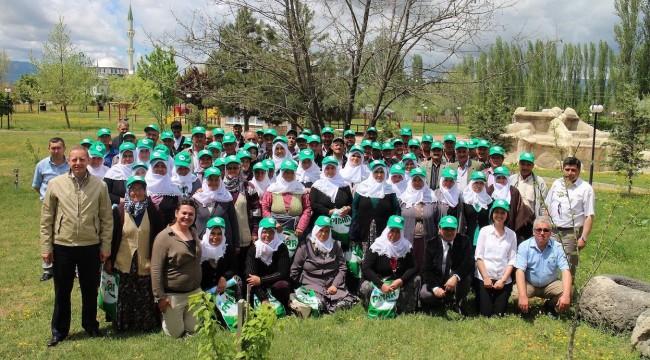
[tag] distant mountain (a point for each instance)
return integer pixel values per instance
(18, 68)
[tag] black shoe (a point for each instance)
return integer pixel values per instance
(54, 341)
(459, 309)
(46, 276)
(95, 333)
(549, 309)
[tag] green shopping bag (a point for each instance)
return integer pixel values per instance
(309, 298)
(227, 306)
(341, 229)
(291, 241)
(383, 306)
(354, 258)
(275, 304)
(108, 292)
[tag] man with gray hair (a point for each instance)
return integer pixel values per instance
(538, 262)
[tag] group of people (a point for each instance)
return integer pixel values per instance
(264, 214)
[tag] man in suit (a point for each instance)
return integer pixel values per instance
(448, 267)
(177, 130)
(433, 166)
(464, 166)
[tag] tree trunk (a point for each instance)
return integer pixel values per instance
(67, 119)
(246, 117)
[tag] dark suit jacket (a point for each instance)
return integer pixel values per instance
(462, 261)
(180, 145)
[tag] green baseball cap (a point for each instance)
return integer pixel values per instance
(158, 155)
(371, 129)
(395, 222)
(448, 222)
(271, 132)
(188, 141)
(376, 145)
(500, 203)
(250, 145)
(356, 148)
(427, 138)
(93, 152)
(414, 142)
(145, 144)
(314, 138)
(162, 147)
(215, 145)
(406, 131)
(243, 154)
(268, 223)
(136, 179)
(140, 164)
(483, 143)
(449, 173)
(472, 144)
(280, 138)
(323, 221)
(204, 152)
(152, 127)
(259, 131)
(478, 175)
(397, 169)
(327, 130)
(212, 170)
(527, 156)
(232, 159)
(289, 165)
(450, 137)
(409, 156)
(98, 146)
(366, 142)
(260, 166)
(496, 150)
(306, 132)
(218, 131)
(270, 165)
(302, 137)
(418, 172)
(128, 133)
(182, 159)
(397, 141)
(376, 163)
(461, 144)
(86, 141)
(167, 135)
(387, 146)
(103, 131)
(330, 160)
(198, 130)
(306, 154)
(347, 133)
(437, 145)
(292, 131)
(228, 138)
(219, 162)
(501, 170)
(127, 146)
(216, 221)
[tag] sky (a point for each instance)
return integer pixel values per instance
(98, 27)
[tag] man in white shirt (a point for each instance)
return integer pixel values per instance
(571, 205)
(532, 189)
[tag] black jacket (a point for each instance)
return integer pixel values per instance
(462, 261)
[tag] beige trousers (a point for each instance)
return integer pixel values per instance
(178, 318)
(552, 291)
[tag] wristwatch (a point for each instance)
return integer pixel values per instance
(584, 239)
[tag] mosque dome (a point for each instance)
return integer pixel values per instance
(109, 62)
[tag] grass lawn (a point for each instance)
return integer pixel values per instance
(26, 303)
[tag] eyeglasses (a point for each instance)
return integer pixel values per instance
(232, 168)
(251, 139)
(540, 230)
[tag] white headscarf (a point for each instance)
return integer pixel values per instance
(212, 252)
(449, 196)
(355, 174)
(278, 160)
(183, 181)
(324, 246)
(373, 189)
(330, 186)
(261, 186)
(481, 199)
(120, 171)
(383, 246)
(100, 172)
(160, 184)
(501, 191)
(264, 251)
(208, 197)
(281, 186)
(399, 187)
(411, 196)
(310, 175)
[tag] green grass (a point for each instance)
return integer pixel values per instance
(26, 304)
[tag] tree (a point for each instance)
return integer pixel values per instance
(27, 89)
(625, 33)
(5, 63)
(143, 94)
(159, 67)
(64, 75)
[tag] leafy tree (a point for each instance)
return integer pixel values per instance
(159, 67)
(625, 33)
(5, 63)
(64, 75)
(27, 89)
(197, 84)
(143, 94)
(6, 108)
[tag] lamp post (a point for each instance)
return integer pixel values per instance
(595, 109)
(458, 108)
(424, 117)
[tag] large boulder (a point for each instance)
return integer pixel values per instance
(641, 335)
(614, 301)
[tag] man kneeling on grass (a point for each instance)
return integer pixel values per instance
(538, 262)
